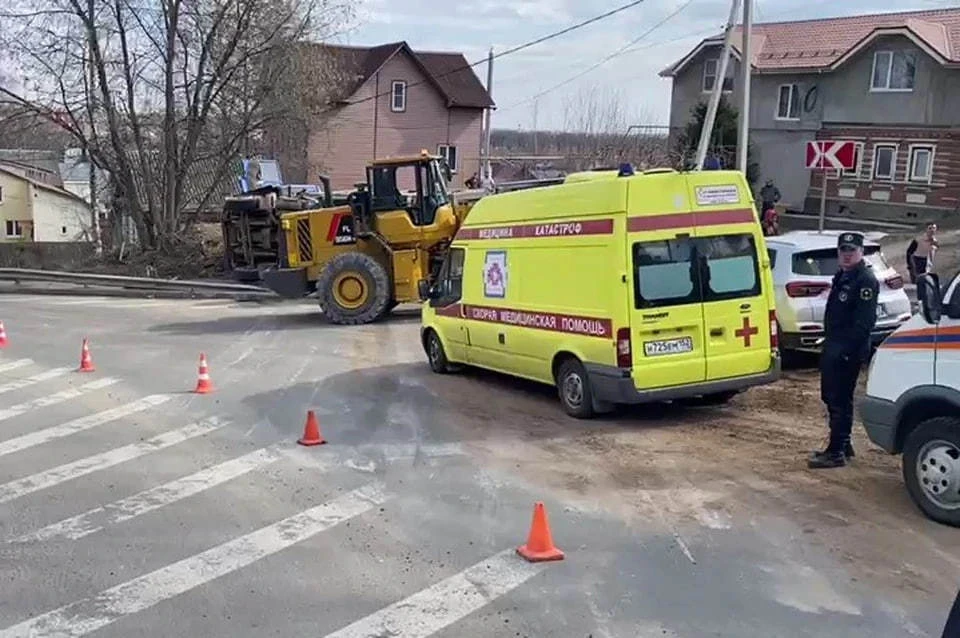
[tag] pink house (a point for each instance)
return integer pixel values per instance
(399, 102)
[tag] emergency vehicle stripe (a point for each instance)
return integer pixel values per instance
(946, 337)
(567, 228)
(573, 324)
(695, 218)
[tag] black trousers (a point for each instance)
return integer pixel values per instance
(838, 380)
(952, 628)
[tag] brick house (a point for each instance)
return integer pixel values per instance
(395, 102)
(891, 82)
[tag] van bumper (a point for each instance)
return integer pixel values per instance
(615, 385)
(879, 418)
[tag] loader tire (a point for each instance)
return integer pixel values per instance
(353, 288)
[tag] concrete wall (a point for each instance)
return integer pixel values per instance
(847, 96)
(344, 144)
(45, 255)
(58, 218)
(687, 88)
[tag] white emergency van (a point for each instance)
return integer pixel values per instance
(912, 404)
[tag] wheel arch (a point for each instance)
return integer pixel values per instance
(923, 403)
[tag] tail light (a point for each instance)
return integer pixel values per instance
(894, 283)
(624, 351)
(806, 288)
(774, 332)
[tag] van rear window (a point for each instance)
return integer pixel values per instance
(693, 270)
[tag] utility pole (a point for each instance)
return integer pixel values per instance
(536, 146)
(743, 137)
(711, 116)
(487, 169)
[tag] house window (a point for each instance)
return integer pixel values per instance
(893, 71)
(921, 163)
(710, 70)
(788, 103)
(449, 153)
(857, 162)
(884, 161)
(398, 97)
(14, 229)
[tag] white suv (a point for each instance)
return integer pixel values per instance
(804, 263)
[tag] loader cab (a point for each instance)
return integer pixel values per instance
(417, 186)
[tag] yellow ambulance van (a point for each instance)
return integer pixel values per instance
(616, 287)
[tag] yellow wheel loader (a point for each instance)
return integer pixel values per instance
(365, 257)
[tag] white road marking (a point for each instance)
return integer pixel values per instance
(88, 615)
(123, 510)
(57, 397)
(37, 378)
(13, 365)
(432, 609)
(79, 425)
(89, 465)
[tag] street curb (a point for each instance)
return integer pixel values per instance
(126, 293)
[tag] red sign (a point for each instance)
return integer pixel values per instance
(746, 332)
(832, 154)
(588, 326)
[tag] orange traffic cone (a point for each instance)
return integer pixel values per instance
(539, 546)
(204, 386)
(311, 431)
(86, 361)
(3, 336)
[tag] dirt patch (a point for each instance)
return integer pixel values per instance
(946, 262)
(741, 464)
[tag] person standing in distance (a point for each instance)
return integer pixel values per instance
(848, 321)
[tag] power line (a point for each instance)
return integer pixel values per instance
(596, 65)
(520, 47)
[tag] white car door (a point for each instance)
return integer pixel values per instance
(948, 339)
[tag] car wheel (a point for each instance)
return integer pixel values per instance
(573, 386)
(436, 355)
(931, 468)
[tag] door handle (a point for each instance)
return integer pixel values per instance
(501, 338)
(716, 332)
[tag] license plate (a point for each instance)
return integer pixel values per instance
(668, 346)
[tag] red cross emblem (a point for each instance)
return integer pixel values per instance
(746, 332)
(495, 275)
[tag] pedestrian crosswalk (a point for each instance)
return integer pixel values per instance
(200, 465)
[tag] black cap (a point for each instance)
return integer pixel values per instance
(852, 240)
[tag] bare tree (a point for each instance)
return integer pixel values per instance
(164, 94)
(603, 130)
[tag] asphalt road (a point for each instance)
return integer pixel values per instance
(131, 506)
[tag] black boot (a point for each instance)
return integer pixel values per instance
(829, 458)
(848, 450)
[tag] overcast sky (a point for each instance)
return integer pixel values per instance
(472, 26)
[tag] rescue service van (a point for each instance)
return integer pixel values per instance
(616, 287)
(912, 403)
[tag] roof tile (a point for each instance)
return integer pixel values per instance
(820, 43)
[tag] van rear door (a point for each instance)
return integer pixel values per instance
(732, 285)
(666, 318)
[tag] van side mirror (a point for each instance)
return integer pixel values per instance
(423, 289)
(929, 296)
(953, 305)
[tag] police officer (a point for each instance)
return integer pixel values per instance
(848, 321)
